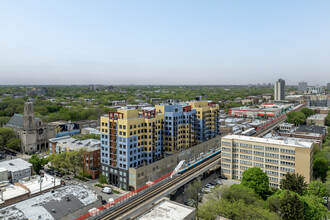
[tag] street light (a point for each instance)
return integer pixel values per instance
(40, 181)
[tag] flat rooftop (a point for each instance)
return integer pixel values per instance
(33, 183)
(11, 191)
(289, 143)
(67, 141)
(318, 116)
(15, 164)
(40, 207)
(167, 210)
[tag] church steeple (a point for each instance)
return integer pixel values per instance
(28, 117)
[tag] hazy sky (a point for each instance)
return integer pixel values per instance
(164, 41)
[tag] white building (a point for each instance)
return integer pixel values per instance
(279, 90)
(17, 169)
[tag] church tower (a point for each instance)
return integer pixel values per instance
(29, 132)
(28, 117)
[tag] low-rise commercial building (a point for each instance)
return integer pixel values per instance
(254, 112)
(68, 202)
(317, 119)
(16, 169)
(286, 126)
(274, 157)
(166, 209)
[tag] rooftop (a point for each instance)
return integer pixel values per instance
(318, 116)
(17, 121)
(33, 183)
(312, 129)
(167, 210)
(67, 141)
(11, 191)
(289, 143)
(40, 207)
(15, 165)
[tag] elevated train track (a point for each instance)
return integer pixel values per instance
(264, 129)
(116, 210)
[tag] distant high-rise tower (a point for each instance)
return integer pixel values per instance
(328, 86)
(279, 90)
(302, 86)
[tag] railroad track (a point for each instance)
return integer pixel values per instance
(134, 202)
(266, 129)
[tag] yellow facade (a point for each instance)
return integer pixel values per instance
(132, 123)
(275, 157)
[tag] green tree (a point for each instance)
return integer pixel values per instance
(327, 120)
(257, 180)
(320, 167)
(319, 189)
(4, 120)
(7, 136)
(14, 144)
(307, 112)
(291, 206)
(313, 207)
(296, 118)
(195, 192)
(38, 162)
(234, 202)
(294, 182)
(103, 179)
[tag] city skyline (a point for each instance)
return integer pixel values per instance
(164, 42)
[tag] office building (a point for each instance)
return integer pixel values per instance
(274, 157)
(130, 138)
(328, 86)
(279, 90)
(302, 86)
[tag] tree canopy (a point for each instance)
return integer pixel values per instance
(294, 182)
(257, 180)
(307, 112)
(8, 139)
(38, 162)
(296, 118)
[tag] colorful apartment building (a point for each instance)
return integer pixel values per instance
(130, 138)
(207, 115)
(179, 127)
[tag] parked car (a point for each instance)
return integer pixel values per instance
(107, 190)
(218, 182)
(209, 186)
(66, 178)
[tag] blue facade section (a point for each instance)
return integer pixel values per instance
(66, 133)
(105, 149)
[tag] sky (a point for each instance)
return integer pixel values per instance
(164, 42)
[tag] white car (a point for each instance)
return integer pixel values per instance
(107, 190)
(209, 186)
(218, 182)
